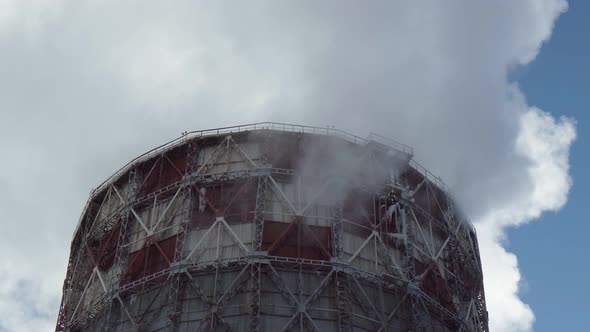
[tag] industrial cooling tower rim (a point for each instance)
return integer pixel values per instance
(275, 126)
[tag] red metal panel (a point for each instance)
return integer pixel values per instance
(206, 205)
(164, 170)
(106, 257)
(102, 251)
(434, 284)
(235, 201)
(358, 207)
(362, 230)
(241, 202)
(298, 242)
(150, 259)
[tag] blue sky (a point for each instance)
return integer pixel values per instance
(553, 252)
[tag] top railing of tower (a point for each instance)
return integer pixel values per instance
(283, 127)
(429, 175)
(325, 131)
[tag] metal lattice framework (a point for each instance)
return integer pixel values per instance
(273, 227)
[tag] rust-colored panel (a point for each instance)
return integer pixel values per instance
(149, 171)
(432, 199)
(362, 230)
(103, 250)
(358, 207)
(149, 260)
(434, 284)
(240, 202)
(298, 242)
(109, 248)
(235, 201)
(164, 170)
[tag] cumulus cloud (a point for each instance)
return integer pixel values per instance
(86, 86)
(545, 142)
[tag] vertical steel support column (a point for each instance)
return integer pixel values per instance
(337, 232)
(343, 299)
(255, 269)
(121, 253)
(176, 284)
(342, 279)
(259, 212)
(416, 315)
(255, 280)
(79, 265)
(62, 315)
(408, 231)
(75, 288)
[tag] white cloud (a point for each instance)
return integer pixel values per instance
(85, 86)
(545, 142)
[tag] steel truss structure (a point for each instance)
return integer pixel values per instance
(273, 227)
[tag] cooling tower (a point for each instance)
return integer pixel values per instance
(273, 227)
